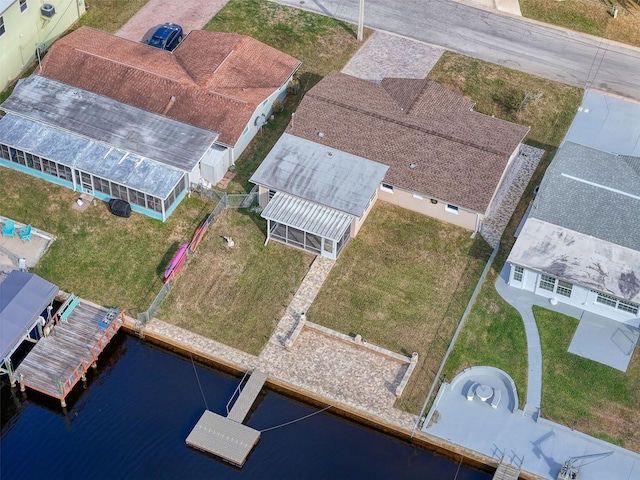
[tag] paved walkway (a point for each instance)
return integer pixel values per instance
(190, 14)
(524, 304)
(389, 55)
(314, 358)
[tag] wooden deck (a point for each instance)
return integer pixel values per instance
(247, 397)
(58, 361)
(220, 436)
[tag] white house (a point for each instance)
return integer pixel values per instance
(581, 242)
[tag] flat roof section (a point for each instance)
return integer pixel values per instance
(608, 123)
(23, 297)
(106, 120)
(578, 258)
(308, 216)
(320, 174)
(120, 166)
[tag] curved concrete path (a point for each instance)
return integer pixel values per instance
(523, 302)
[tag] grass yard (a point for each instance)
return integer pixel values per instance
(403, 284)
(236, 295)
(589, 16)
(109, 260)
(321, 43)
(597, 399)
(494, 331)
(109, 15)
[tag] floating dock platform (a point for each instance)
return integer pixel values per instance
(73, 341)
(226, 437)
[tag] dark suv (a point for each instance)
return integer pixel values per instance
(167, 36)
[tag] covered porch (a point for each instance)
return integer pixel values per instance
(307, 225)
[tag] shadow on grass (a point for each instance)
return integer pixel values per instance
(166, 258)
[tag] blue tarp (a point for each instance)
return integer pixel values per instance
(23, 297)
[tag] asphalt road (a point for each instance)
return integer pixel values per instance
(532, 47)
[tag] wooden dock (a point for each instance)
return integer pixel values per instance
(226, 437)
(247, 396)
(61, 359)
(506, 471)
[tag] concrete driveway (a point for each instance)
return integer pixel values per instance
(190, 14)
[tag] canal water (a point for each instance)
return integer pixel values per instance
(138, 408)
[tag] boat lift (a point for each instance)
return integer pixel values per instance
(571, 468)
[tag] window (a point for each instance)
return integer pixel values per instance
(451, 208)
(613, 302)
(23, 5)
(518, 272)
(564, 288)
(385, 187)
(4, 152)
(552, 284)
(271, 194)
(2, 28)
(547, 283)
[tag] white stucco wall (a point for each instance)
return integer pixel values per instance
(581, 297)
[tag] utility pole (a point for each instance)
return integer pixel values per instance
(361, 21)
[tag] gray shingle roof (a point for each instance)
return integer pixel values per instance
(594, 193)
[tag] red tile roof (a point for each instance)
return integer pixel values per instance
(458, 155)
(213, 80)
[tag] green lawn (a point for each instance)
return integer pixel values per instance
(110, 15)
(494, 331)
(403, 284)
(590, 17)
(236, 295)
(320, 43)
(109, 260)
(597, 399)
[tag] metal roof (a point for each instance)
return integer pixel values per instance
(579, 259)
(103, 160)
(23, 297)
(592, 192)
(608, 123)
(106, 120)
(320, 174)
(308, 216)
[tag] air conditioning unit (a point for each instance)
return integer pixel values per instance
(47, 10)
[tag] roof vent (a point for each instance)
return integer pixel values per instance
(412, 165)
(329, 154)
(47, 10)
(321, 134)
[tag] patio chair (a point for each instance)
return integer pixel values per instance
(9, 228)
(25, 233)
